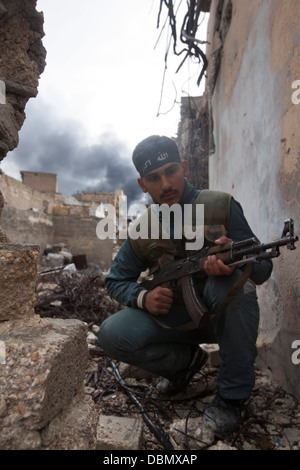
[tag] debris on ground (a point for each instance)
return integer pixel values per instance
(272, 417)
(69, 293)
(271, 420)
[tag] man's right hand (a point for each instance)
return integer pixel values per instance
(159, 300)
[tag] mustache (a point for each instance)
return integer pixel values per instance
(168, 191)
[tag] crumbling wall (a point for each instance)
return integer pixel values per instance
(254, 57)
(91, 197)
(79, 235)
(193, 138)
(41, 181)
(27, 226)
(42, 361)
(22, 60)
(30, 216)
(23, 197)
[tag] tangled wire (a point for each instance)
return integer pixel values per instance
(74, 296)
(188, 32)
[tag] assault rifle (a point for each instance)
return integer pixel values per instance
(181, 273)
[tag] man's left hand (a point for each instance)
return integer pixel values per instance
(216, 267)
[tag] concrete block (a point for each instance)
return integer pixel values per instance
(60, 210)
(18, 268)
(43, 367)
(54, 260)
(200, 433)
(115, 433)
(3, 237)
(214, 359)
(74, 428)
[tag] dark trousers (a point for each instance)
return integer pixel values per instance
(134, 337)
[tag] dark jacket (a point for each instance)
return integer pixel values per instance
(121, 282)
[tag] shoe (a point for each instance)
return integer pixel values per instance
(224, 415)
(182, 379)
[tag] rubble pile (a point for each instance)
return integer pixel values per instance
(271, 420)
(272, 417)
(57, 256)
(73, 295)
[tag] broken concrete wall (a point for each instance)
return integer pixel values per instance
(254, 57)
(41, 181)
(42, 365)
(41, 386)
(27, 226)
(79, 235)
(42, 361)
(23, 197)
(30, 216)
(193, 138)
(76, 232)
(22, 60)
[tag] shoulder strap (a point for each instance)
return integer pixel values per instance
(216, 214)
(216, 207)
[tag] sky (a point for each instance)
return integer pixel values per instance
(104, 89)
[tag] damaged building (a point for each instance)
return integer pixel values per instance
(42, 360)
(248, 118)
(35, 212)
(240, 137)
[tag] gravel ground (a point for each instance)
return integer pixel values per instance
(271, 420)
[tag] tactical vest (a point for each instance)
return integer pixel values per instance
(155, 253)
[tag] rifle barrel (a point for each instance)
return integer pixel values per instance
(256, 248)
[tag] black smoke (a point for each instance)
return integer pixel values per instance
(50, 145)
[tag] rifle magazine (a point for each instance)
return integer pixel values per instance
(193, 302)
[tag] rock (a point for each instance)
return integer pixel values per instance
(54, 260)
(95, 329)
(3, 237)
(69, 269)
(214, 359)
(199, 434)
(293, 435)
(91, 338)
(221, 446)
(18, 269)
(93, 271)
(74, 428)
(56, 303)
(115, 433)
(66, 255)
(44, 369)
(60, 210)
(22, 60)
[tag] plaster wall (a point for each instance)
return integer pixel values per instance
(256, 156)
(30, 216)
(44, 182)
(23, 197)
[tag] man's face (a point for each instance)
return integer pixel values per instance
(165, 184)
